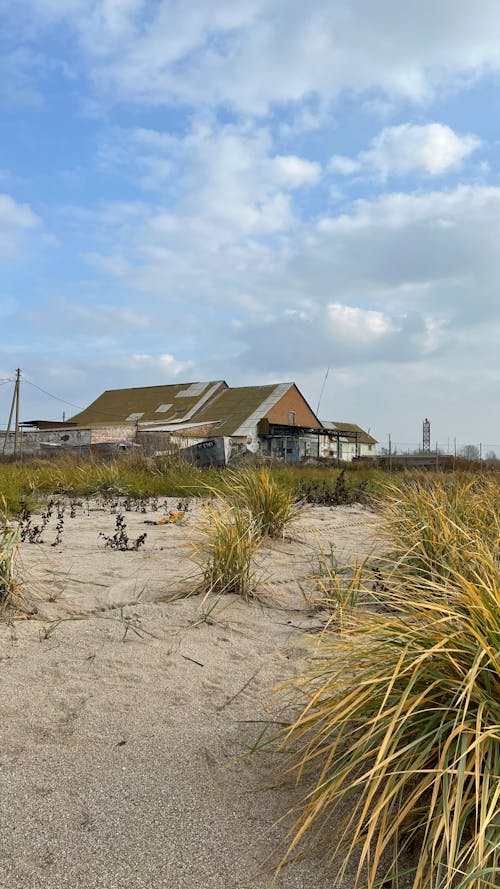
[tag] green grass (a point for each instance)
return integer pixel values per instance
(135, 475)
(141, 476)
(399, 741)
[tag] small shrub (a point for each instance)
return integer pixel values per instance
(321, 492)
(120, 539)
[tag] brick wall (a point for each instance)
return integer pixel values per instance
(292, 401)
(112, 434)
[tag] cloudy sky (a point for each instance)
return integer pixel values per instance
(255, 190)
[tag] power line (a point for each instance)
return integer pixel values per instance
(50, 394)
(104, 414)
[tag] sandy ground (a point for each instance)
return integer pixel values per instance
(126, 719)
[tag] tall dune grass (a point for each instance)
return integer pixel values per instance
(271, 506)
(10, 592)
(249, 507)
(226, 551)
(134, 475)
(399, 742)
(434, 526)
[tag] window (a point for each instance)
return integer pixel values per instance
(132, 417)
(163, 408)
(291, 418)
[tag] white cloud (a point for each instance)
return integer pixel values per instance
(252, 54)
(225, 182)
(338, 335)
(15, 220)
(346, 166)
(358, 324)
(165, 363)
(296, 171)
(433, 253)
(431, 148)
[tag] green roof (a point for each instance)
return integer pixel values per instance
(233, 407)
(363, 437)
(146, 404)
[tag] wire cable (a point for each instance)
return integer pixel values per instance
(56, 397)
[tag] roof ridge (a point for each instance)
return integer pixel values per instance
(161, 386)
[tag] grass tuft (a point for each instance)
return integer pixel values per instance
(226, 551)
(400, 739)
(270, 506)
(11, 598)
(340, 588)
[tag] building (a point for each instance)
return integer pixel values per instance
(273, 420)
(345, 441)
(116, 417)
(212, 419)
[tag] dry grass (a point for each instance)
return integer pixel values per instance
(270, 505)
(225, 553)
(402, 724)
(432, 522)
(251, 507)
(339, 588)
(11, 599)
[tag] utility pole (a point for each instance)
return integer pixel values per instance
(17, 388)
(13, 407)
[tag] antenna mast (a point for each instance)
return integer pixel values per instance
(322, 390)
(426, 436)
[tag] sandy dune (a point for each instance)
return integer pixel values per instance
(124, 726)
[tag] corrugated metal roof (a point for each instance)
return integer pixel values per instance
(363, 437)
(117, 406)
(234, 407)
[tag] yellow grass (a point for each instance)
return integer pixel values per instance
(11, 598)
(226, 551)
(271, 506)
(399, 741)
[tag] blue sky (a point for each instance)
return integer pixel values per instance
(255, 190)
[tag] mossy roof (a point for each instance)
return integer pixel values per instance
(144, 404)
(352, 428)
(233, 407)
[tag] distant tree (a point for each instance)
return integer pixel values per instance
(490, 457)
(470, 452)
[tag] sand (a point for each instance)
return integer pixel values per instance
(126, 719)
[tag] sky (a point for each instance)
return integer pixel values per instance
(257, 191)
